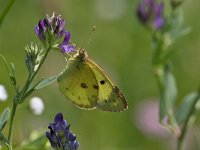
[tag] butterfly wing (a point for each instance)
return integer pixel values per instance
(76, 83)
(109, 96)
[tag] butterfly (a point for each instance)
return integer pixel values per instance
(86, 85)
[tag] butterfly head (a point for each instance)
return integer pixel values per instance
(82, 54)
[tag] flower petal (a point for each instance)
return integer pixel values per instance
(159, 9)
(36, 30)
(159, 22)
(67, 48)
(58, 118)
(60, 136)
(67, 38)
(150, 12)
(51, 140)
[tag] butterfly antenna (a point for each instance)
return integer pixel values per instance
(90, 37)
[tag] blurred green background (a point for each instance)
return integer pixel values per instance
(121, 45)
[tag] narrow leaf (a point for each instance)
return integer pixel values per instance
(36, 141)
(6, 63)
(45, 82)
(12, 74)
(10, 70)
(186, 107)
(168, 94)
(4, 118)
(170, 90)
(3, 139)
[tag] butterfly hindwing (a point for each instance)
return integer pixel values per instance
(109, 96)
(77, 83)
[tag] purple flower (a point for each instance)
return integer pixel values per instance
(60, 136)
(50, 30)
(65, 46)
(50, 27)
(150, 12)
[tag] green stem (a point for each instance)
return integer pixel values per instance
(14, 108)
(180, 144)
(160, 73)
(21, 97)
(6, 10)
(32, 77)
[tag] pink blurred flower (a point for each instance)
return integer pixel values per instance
(147, 119)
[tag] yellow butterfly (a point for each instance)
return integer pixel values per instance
(85, 84)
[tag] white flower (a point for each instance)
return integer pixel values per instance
(36, 105)
(3, 93)
(110, 9)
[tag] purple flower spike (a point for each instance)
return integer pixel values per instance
(50, 29)
(60, 136)
(65, 46)
(150, 12)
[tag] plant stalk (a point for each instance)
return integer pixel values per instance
(14, 108)
(180, 142)
(21, 96)
(6, 10)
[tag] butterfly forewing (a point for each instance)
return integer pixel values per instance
(77, 84)
(109, 96)
(85, 84)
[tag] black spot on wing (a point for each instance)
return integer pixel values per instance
(102, 81)
(83, 85)
(96, 87)
(114, 100)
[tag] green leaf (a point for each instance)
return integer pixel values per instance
(177, 18)
(187, 106)
(6, 63)
(3, 139)
(4, 118)
(170, 89)
(45, 82)
(167, 55)
(4, 148)
(177, 29)
(178, 32)
(36, 141)
(10, 70)
(168, 94)
(12, 74)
